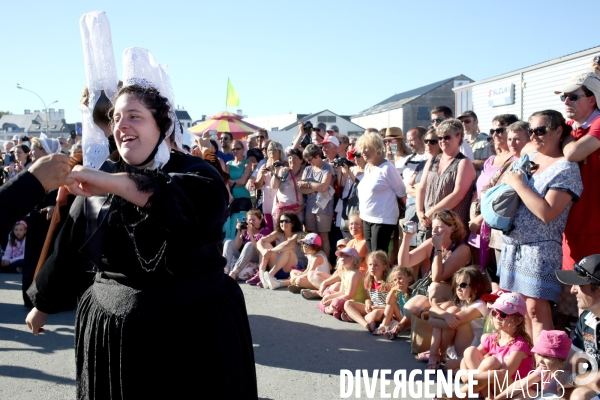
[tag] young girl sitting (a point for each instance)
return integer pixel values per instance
(394, 320)
(317, 264)
(358, 242)
(12, 260)
(551, 350)
(508, 349)
(352, 287)
(458, 322)
(370, 313)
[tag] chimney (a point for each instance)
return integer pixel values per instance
(27, 111)
(239, 112)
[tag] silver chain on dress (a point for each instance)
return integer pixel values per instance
(142, 260)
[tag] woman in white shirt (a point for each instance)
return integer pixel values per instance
(378, 193)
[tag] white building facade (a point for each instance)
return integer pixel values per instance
(522, 92)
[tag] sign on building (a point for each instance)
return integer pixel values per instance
(501, 95)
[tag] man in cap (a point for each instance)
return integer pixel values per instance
(441, 113)
(585, 281)
(330, 145)
(333, 130)
(582, 232)
(480, 143)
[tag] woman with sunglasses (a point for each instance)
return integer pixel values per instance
(280, 259)
(239, 170)
(503, 157)
(432, 149)
(447, 181)
(446, 252)
(532, 251)
(517, 140)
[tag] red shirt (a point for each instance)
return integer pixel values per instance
(584, 217)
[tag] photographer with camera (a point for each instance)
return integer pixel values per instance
(283, 181)
(308, 134)
(263, 180)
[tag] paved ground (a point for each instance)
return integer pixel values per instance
(299, 351)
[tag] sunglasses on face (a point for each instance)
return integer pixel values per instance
(316, 130)
(445, 137)
(237, 148)
(261, 137)
(431, 141)
(497, 130)
(572, 97)
(438, 120)
(263, 148)
(463, 285)
(582, 272)
(285, 221)
(466, 121)
(357, 155)
(501, 315)
(330, 132)
(539, 131)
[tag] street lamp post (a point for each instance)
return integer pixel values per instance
(45, 107)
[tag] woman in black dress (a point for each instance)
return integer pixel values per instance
(160, 320)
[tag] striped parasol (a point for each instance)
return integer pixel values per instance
(225, 122)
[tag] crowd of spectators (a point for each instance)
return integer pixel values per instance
(388, 229)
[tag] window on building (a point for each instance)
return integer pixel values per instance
(423, 114)
(326, 118)
(275, 128)
(463, 100)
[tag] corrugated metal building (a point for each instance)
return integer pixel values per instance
(521, 92)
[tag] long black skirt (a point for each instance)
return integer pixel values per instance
(185, 339)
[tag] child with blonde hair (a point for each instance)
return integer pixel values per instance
(370, 312)
(394, 320)
(352, 284)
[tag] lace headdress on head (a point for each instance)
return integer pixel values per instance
(51, 146)
(140, 68)
(101, 74)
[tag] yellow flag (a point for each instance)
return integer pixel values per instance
(233, 99)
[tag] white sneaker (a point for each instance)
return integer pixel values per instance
(264, 279)
(273, 283)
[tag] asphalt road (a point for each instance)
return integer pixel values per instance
(299, 351)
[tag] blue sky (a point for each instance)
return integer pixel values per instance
(284, 56)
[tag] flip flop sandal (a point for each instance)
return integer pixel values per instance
(379, 331)
(294, 289)
(391, 335)
(346, 317)
(423, 357)
(308, 295)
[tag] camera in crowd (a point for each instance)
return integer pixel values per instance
(275, 165)
(308, 128)
(410, 227)
(243, 225)
(338, 162)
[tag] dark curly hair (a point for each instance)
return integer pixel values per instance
(152, 100)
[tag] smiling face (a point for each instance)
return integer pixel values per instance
(500, 138)
(19, 231)
(37, 153)
(516, 140)
(544, 143)
(135, 129)
(355, 226)
(449, 141)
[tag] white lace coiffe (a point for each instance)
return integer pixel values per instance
(51, 146)
(101, 74)
(140, 68)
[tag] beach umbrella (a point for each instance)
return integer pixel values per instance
(225, 122)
